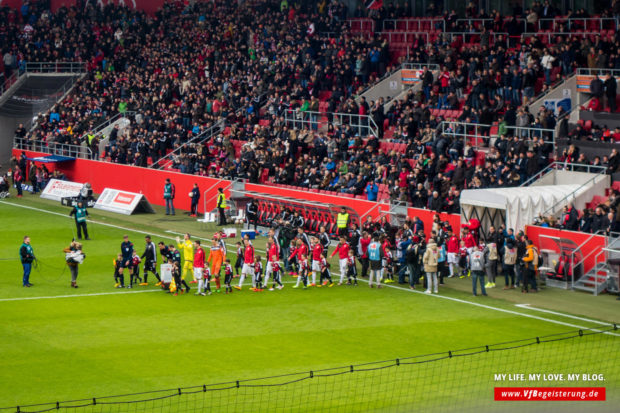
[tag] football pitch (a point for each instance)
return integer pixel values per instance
(59, 343)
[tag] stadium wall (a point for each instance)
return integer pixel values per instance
(150, 182)
(594, 243)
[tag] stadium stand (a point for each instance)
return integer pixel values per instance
(492, 68)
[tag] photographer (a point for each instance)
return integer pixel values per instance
(74, 257)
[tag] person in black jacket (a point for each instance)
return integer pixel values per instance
(585, 223)
(435, 203)
(251, 213)
(195, 196)
(572, 220)
(521, 250)
(599, 221)
(610, 92)
(596, 87)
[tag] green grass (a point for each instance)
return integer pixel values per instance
(123, 342)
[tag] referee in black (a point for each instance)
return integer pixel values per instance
(150, 261)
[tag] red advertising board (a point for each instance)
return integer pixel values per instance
(150, 182)
(590, 242)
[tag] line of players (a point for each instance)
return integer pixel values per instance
(195, 262)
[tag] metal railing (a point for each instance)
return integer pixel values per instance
(575, 265)
(406, 66)
(475, 23)
(407, 37)
(479, 135)
(10, 81)
(586, 71)
(363, 125)
(97, 130)
(357, 25)
(540, 174)
(208, 133)
(574, 23)
(494, 37)
(557, 165)
(45, 100)
(55, 67)
(414, 24)
(53, 148)
(551, 35)
(555, 208)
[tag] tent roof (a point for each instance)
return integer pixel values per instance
(500, 198)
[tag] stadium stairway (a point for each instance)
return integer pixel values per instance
(31, 95)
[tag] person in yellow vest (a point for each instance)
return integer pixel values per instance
(187, 247)
(221, 206)
(342, 222)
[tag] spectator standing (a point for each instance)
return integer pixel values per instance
(371, 191)
(18, 179)
(477, 264)
(169, 196)
(531, 265)
(610, 92)
(510, 258)
(596, 87)
(430, 261)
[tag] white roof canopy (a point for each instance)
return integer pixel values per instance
(522, 204)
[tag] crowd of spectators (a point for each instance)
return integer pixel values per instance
(257, 60)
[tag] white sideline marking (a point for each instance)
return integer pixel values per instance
(503, 310)
(458, 300)
(529, 307)
(78, 295)
(96, 294)
(89, 220)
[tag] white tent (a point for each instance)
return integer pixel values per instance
(514, 207)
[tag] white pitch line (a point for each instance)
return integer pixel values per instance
(77, 295)
(549, 320)
(503, 310)
(527, 306)
(97, 294)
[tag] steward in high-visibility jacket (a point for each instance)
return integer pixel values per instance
(80, 213)
(342, 222)
(221, 206)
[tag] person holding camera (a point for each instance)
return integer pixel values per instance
(74, 257)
